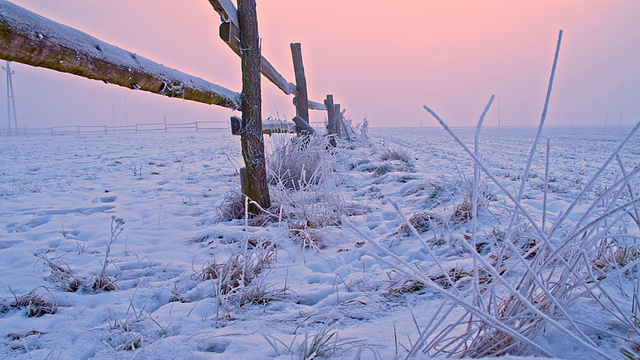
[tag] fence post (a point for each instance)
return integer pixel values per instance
(331, 119)
(256, 186)
(337, 120)
(302, 96)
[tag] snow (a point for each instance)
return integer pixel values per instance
(59, 196)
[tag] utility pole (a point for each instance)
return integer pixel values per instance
(11, 101)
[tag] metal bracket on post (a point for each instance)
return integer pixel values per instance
(236, 125)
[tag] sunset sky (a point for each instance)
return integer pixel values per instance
(381, 59)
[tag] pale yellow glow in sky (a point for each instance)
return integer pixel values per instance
(380, 59)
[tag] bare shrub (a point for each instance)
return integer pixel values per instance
(309, 238)
(22, 335)
(614, 253)
(123, 335)
(323, 343)
(101, 282)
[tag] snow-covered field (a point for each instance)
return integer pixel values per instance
(63, 200)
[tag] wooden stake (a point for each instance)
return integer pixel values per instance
(302, 97)
(256, 184)
(331, 119)
(337, 120)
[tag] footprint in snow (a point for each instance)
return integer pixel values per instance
(17, 227)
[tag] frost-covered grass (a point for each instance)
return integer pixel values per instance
(435, 273)
(504, 315)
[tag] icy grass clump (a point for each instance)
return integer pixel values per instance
(304, 187)
(231, 207)
(35, 303)
(237, 280)
(297, 162)
(324, 343)
(398, 153)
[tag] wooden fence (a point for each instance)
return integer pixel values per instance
(166, 127)
(160, 127)
(34, 40)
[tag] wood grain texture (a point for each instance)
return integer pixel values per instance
(31, 39)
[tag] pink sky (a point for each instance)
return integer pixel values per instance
(380, 58)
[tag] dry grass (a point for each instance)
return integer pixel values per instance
(241, 267)
(398, 153)
(464, 211)
(231, 207)
(526, 283)
(400, 284)
(65, 279)
(322, 344)
(62, 276)
(505, 315)
(35, 303)
(304, 190)
(297, 162)
(422, 221)
(101, 282)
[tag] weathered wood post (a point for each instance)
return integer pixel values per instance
(256, 186)
(331, 119)
(337, 120)
(302, 97)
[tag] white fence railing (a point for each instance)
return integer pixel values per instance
(160, 127)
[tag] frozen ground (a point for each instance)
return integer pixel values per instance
(60, 196)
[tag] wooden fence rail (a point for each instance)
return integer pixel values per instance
(34, 40)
